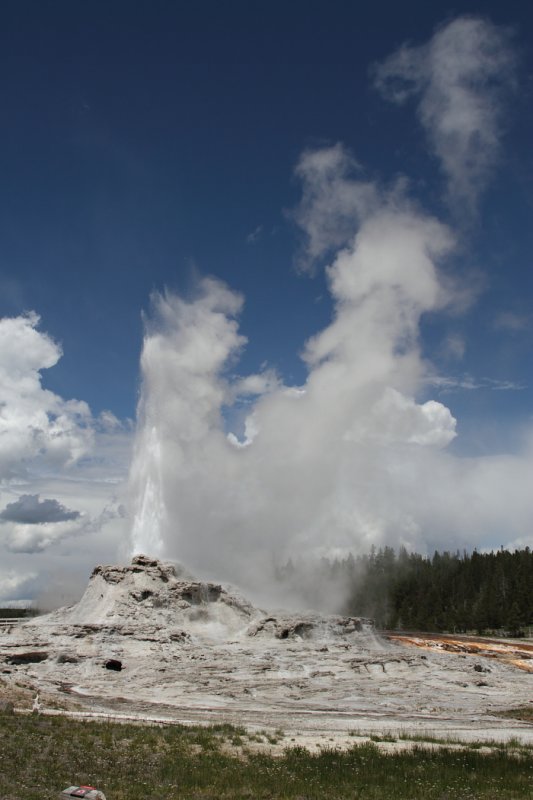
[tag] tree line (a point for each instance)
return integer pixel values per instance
(448, 592)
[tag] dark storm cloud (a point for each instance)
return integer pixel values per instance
(30, 510)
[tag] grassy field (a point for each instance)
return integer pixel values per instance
(39, 756)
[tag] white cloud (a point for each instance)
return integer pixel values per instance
(61, 469)
(56, 551)
(396, 418)
(13, 585)
(31, 535)
(33, 538)
(448, 383)
(513, 322)
(107, 421)
(460, 79)
(454, 346)
(35, 424)
(256, 384)
(255, 235)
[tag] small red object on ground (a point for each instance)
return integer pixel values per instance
(87, 792)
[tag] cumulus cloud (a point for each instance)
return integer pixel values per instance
(55, 449)
(108, 422)
(32, 526)
(34, 538)
(459, 79)
(14, 585)
(35, 423)
(30, 510)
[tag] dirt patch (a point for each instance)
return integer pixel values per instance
(524, 713)
(22, 695)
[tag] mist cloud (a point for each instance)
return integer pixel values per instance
(459, 79)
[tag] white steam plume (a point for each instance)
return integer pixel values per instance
(351, 459)
(335, 466)
(460, 78)
(358, 456)
(186, 346)
(334, 200)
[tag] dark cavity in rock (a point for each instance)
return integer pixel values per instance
(113, 664)
(27, 658)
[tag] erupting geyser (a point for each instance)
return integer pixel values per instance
(331, 467)
(357, 456)
(146, 485)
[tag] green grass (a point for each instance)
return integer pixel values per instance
(41, 755)
(513, 746)
(524, 713)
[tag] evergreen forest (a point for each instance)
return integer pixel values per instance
(469, 592)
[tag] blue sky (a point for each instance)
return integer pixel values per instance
(147, 144)
(144, 141)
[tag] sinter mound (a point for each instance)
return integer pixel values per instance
(149, 639)
(157, 594)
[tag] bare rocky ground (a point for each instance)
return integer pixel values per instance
(149, 641)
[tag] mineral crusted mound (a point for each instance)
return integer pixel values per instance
(152, 595)
(309, 626)
(150, 640)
